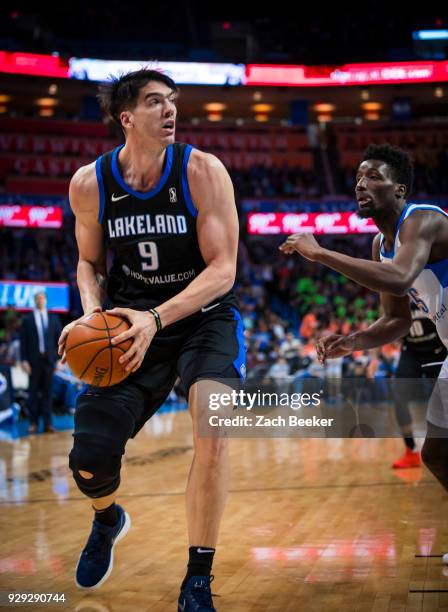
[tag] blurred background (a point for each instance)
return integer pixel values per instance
(287, 101)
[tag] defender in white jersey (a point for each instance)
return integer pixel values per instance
(410, 262)
(429, 292)
(429, 289)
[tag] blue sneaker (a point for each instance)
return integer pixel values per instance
(97, 559)
(196, 595)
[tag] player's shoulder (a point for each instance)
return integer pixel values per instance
(420, 220)
(83, 190)
(202, 163)
(424, 210)
(84, 182)
(84, 177)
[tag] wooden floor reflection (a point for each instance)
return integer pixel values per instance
(310, 525)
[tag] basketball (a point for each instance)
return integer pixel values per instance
(89, 352)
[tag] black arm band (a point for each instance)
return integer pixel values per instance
(156, 316)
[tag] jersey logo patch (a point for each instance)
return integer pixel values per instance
(173, 195)
(206, 309)
(116, 198)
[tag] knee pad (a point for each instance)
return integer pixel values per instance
(91, 455)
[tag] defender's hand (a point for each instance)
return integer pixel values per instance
(143, 329)
(304, 244)
(63, 337)
(334, 345)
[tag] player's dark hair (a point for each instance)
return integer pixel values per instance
(121, 93)
(397, 159)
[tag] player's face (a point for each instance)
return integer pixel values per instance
(375, 188)
(154, 115)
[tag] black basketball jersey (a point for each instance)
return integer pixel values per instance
(422, 336)
(151, 235)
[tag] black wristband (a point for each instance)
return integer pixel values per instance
(156, 316)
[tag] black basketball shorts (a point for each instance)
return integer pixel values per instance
(207, 346)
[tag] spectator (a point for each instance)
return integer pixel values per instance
(290, 350)
(39, 336)
(308, 327)
(279, 369)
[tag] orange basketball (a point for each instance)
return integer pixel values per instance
(89, 352)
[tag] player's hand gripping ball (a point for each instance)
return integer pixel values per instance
(90, 354)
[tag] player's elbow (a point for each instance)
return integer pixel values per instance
(398, 289)
(226, 276)
(94, 267)
(401, 276)
(400, 285)
(227, 282)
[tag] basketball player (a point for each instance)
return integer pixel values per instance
(422, 355)
(167, 213)
(410, 260)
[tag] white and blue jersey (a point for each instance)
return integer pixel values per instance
(429, 292)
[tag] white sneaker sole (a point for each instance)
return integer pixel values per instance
(120, 536)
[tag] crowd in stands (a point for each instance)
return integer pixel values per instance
(38, 255)
(287, 303)
(263, 181)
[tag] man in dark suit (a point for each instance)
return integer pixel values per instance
(39, 335)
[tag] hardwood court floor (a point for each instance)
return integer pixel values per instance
(311, 525)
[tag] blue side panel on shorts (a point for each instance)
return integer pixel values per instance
(83, 389)
(240, 362)
(99, 178)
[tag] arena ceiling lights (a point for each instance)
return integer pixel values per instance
(196, 73)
